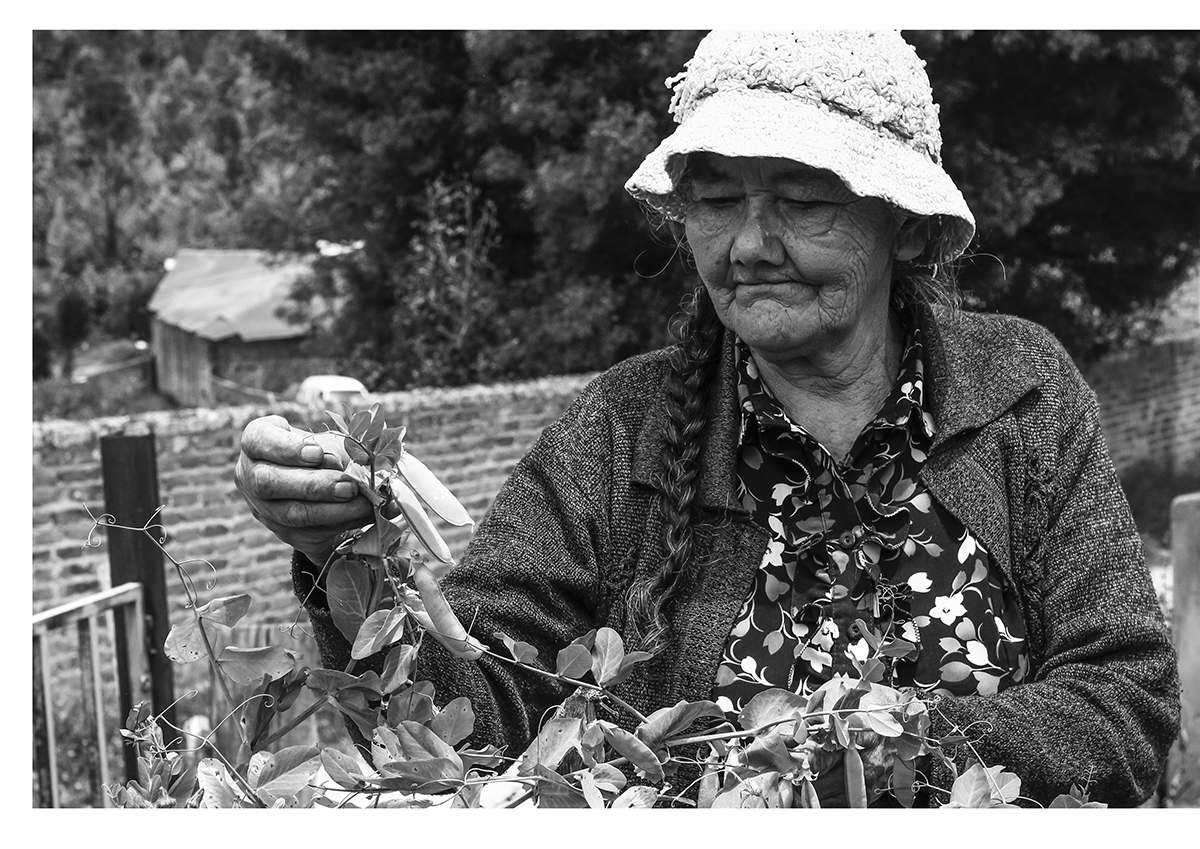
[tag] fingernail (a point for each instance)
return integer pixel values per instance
(344, 490)
(311, 453)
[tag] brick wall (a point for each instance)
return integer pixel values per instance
(1150, 403)
(470, 437)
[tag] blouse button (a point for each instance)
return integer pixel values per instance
(848, 538)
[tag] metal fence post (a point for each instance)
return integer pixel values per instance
(130, 470)
(1185, 619)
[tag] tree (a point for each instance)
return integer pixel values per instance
(1079, 153)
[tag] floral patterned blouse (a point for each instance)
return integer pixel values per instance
(863, 540)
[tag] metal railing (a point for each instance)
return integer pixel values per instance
(84, 614)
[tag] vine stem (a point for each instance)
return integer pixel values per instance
(596, 688)
(238, 779)
(295, 721)
(766, 726)
(187, 589)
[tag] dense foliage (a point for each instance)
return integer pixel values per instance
(852, 740)
(482, 174)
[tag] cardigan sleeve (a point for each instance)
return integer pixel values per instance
(1102, 707)
(530, 571)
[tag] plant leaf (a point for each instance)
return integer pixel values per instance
(637, 796)
(669, 721)
(640, 755)
(758, 791)
(555, 739)
(185, 644)
(608, 651)
(769, 706)
(431, 491)
(522, 652)
(379, 630)
(591, 793)
(370, 437)
(413, 703)
(431, 775)
(349, 588)
(338, 421)
(554, 791)
(248, 666)
(216, 785)
(574, 661)
(287, 772)
(226, 611)
(342, 769)
(455, 722)
(359, 423)
(978, 787)
(397, 667)
(333, 681)
(631, 660)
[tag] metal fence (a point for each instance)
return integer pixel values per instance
(85, 615)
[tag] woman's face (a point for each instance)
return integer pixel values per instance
(792, 259)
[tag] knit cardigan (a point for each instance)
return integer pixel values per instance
(1019, 458)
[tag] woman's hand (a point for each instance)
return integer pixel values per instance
(294, 484)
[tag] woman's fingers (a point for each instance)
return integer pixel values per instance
(273, 440)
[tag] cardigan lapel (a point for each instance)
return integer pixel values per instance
(975, 370)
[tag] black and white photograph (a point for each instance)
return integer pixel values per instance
(528, 418)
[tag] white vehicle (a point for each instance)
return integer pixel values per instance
(331, 391)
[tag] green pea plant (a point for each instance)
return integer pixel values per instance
(383, 587)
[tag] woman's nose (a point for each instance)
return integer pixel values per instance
(759, 235)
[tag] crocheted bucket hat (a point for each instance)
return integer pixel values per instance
(855, 103)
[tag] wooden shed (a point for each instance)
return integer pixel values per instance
(216, 314)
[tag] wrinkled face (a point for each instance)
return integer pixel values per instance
(792, 259)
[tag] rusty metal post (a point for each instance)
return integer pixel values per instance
(130, 469)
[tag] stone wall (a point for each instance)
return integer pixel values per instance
(1150, 404)
(470, 437)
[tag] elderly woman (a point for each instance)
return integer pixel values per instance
(830, 441)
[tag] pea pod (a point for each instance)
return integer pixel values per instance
(418, 521)
(856, 784)
(443, 624)
(432, 492)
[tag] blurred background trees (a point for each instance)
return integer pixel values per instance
(482, 173)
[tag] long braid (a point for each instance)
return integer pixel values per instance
(693, 365)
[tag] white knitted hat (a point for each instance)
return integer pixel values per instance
(856, 103)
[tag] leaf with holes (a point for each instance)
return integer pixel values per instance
(248, 666)
(287, 772)
(638, 796)
(185, 643)
(557, 737)
(455, 722)
(342, 769)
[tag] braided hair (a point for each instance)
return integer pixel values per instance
(694, 360)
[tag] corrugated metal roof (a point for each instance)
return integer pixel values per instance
(220, 294)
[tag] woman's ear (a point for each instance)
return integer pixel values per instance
(912, 238)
